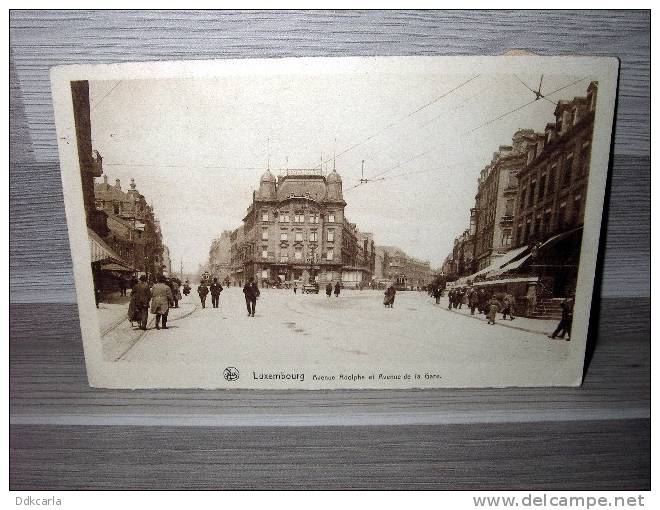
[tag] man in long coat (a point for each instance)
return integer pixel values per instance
(337, 289)
(251, 292)
(328, 289)
(139, 305)
(215, 289)
(390, 294)
(566, 321)
(161, 300)
(203, 291)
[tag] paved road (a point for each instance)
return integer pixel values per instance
(353, 334)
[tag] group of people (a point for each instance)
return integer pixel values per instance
(328, 289)
(159, 298)
(481, 301)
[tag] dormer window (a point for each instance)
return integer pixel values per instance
(264, 216)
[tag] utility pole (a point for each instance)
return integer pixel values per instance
(362, 179)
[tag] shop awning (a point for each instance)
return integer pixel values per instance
(500, 261)
(559, 237)
(112, 266)
(104, 255)
(511, 266)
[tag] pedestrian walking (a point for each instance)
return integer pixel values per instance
(186, 288)
(122, 286)
(161, 300)
(328, 289)
(176, 293)
(295, 288)
(473, 300)
(337, 289)
(566, 322)
(482, 300)
(493, 306)
(251, 292)
(508, 306)
(215, 288)
(451, 296)
(436, 292)
(138, 307)
(390, 294)
(203, 291)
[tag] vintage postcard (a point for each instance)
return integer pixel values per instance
(322, 223)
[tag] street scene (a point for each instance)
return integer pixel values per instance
(314, 223)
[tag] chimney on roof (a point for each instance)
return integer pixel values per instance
(117, 184)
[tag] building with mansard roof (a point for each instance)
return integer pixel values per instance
(295, 229)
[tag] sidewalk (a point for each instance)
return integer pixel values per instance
(538, 326)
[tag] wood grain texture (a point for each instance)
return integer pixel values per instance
(558, 455)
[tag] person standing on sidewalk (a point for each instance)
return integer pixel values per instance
(508, 303)
(328, 289)
(138, 309)
(161, 300)
(566, 321)
(203, 291)
(215, 289)
(337, 289)
(251, 292)
(493, 306)
(473, 300)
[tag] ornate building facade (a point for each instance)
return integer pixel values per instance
(295, 229)
(133, 231)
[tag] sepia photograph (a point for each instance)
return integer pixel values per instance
(321, 223)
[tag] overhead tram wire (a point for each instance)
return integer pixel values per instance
(521, 107)
(395, 122)
(468, 132)
(434, 119)
(537, 93)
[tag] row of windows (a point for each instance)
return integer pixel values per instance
(298, 236)
(297, 255)
(548, 182)
(298, 217)
(536, 228)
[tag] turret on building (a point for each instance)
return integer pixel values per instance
(295, 229)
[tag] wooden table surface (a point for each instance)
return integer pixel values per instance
(66, 435)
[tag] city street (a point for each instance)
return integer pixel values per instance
(354, 332)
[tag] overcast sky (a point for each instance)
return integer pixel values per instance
(197, 147)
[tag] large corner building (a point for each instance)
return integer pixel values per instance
(295, 229)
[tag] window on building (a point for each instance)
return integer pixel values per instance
(314, 218)
(577, 208)
(284, 258)
(551, 178)
(567, 168)
(537, 227)
(547, 220)
(532, 191)
(528, 227)
(298, 254)
(521, 201)
(506, 237)
(330, 255)
(284, 236)
(508, 210)
(115, 208)
(299, 218)
(585, 155)
(542, 187)
(313, 236)
(264, 216)
(264, 234)
(331, 235)
(264, 253)
(299, 236)
(331, 218)
(284, 217)
(561, 216)
(264, 273)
